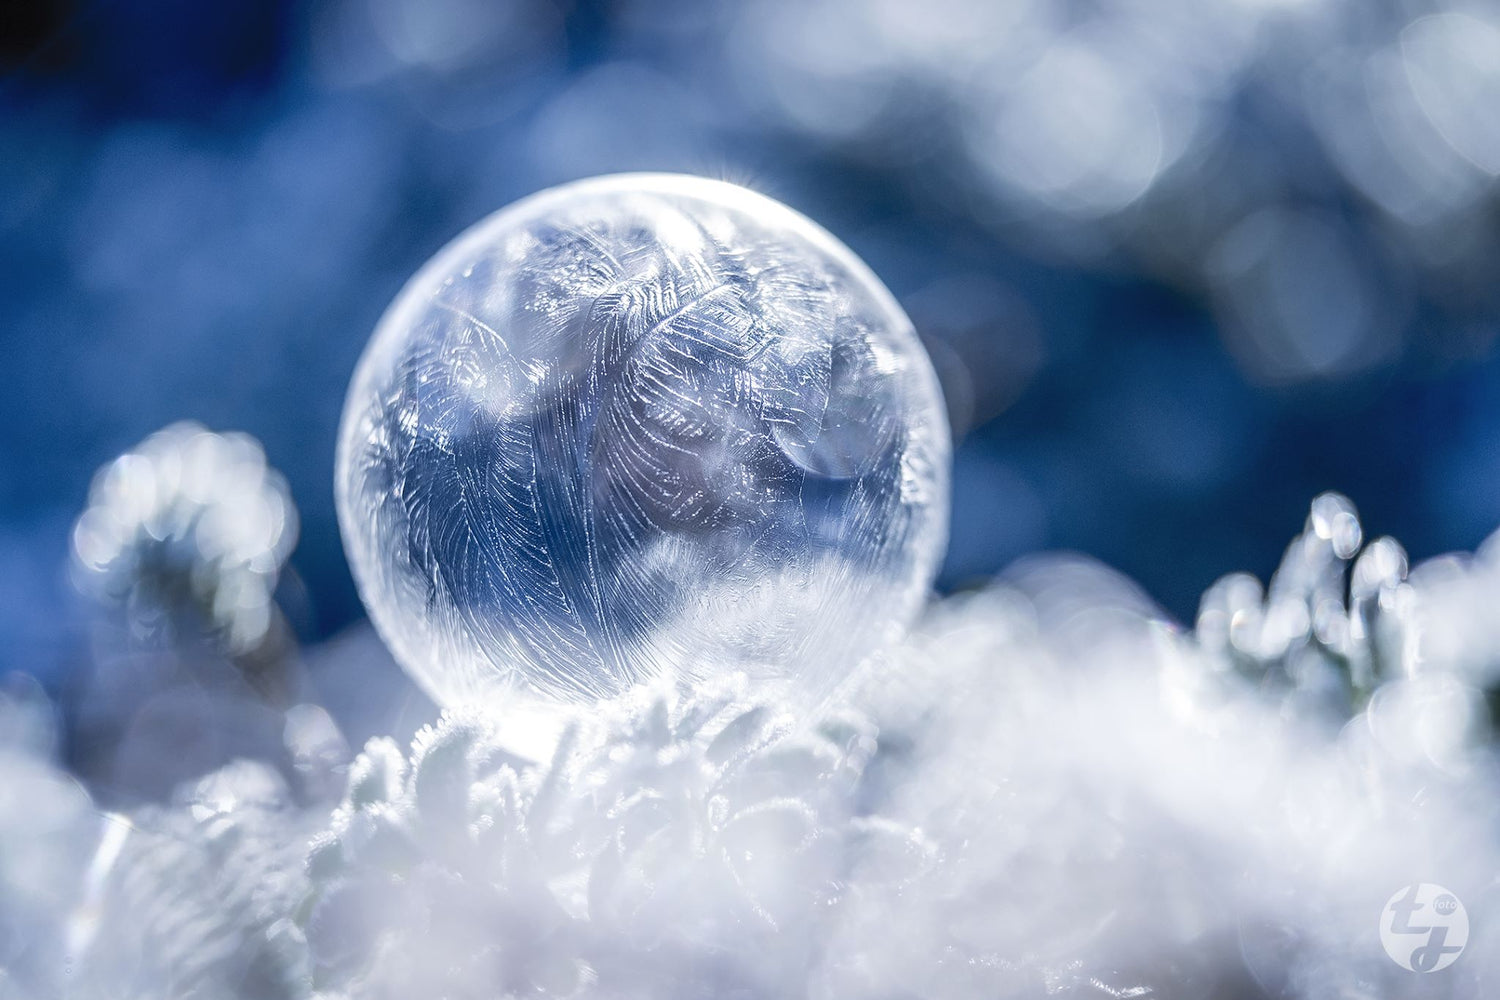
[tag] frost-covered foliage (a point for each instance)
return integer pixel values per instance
(1046, 791)
(1195, 814)
(194, 900)
(189, 530)
(180, 550)
(188, 900)
(676, 845)
(1050, 792)
(46, 829)
(1322, 634)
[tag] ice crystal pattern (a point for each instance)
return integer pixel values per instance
(637, 425)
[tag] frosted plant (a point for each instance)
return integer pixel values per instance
(1026, 740)
(675, 845)
(1322, 632)
(1343, 623)
(181, 547)
(641, 426)
(188, 531)
(195, 899)
(190, 899)
(1065, 796)
(47, 829)
(1454, 627)
(1116, 808)
(1046, 791)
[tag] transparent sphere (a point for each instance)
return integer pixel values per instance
(635, 426)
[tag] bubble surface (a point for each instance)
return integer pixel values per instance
(637, 426)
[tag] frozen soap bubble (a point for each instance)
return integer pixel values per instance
(639, 426)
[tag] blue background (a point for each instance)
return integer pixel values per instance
(204, 208)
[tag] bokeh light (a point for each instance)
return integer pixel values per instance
(1179, 268)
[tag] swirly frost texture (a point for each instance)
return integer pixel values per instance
(641, 426)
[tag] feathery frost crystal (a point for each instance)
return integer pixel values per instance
(641, 426)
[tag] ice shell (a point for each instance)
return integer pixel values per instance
(637, 426)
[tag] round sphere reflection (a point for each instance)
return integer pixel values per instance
(641, 425)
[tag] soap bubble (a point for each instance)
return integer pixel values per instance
(641, 426)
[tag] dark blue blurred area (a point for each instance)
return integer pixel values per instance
(1176, 281)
